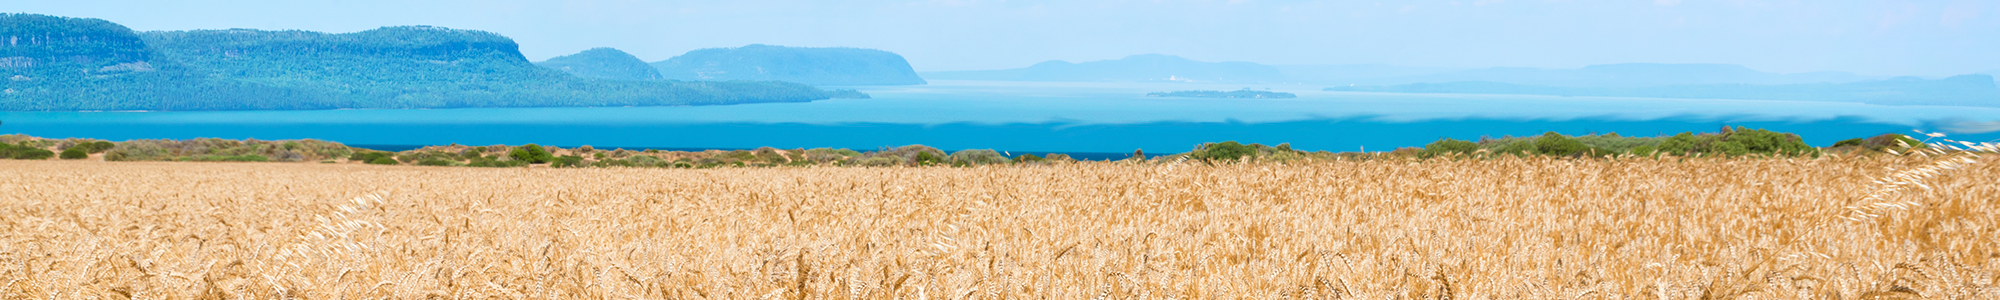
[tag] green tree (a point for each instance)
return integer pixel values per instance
(1552, 143)
(531, 153)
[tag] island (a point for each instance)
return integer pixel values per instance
(1243, 93)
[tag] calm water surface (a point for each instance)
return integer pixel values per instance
(1033, 116)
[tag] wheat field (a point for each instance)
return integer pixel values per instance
(1506, 228)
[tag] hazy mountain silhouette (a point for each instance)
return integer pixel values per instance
(814, 66)
(1144, 67)
(603, 63)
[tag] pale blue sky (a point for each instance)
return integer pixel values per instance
(1929, 38)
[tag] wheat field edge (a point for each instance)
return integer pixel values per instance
(1505, 228)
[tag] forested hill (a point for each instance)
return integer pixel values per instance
(815, 66)
(603, 63)
(242, 69)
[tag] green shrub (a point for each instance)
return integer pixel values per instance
(567, 161)
(492, 163)
(93, 147)
(646, 161)
(1552, 143)
(436, 161)
(1643, 151)
(229, 158)
(1892, 141)
(384, 160)
(978, 157)
(881, 161)
(371, 156)
(75, 153)
(1612, 143)
(1448, 146)
(615, 163)
(1856, 142)
(1027, 158)
(925, 159)
(531, 153)
(1683, 144)
(770, 155)
(1765, 142)
(1738, 141)
(1224, 151)
(24, 151)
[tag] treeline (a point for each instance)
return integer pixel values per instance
(89, 64)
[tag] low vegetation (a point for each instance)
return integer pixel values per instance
(1729, 142)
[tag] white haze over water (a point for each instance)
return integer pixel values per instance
(996, 102)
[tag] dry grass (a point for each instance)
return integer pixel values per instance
(1498, 229)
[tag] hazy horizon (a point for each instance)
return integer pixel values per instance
(1892, 38)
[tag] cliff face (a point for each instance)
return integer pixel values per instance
(388, 54)
(814, 66)
(39, 44)
(603, 63)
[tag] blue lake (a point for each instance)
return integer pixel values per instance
(1034, 116)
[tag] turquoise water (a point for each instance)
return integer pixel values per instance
(1033, 116)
